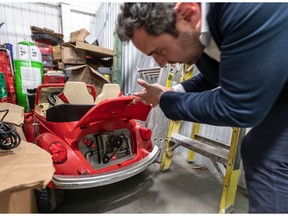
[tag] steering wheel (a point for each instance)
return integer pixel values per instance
(52, 97)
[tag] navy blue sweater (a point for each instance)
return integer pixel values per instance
(252, 75)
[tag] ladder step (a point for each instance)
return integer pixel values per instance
(215, 153)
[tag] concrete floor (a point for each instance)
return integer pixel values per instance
(182, 189)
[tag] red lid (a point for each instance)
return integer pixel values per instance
(115, 108)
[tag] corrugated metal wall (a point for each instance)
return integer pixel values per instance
(105, 22)
(132, 59)
(18, 17)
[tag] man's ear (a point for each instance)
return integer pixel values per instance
(188, 11)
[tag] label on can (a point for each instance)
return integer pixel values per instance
(31, 53)
(31, 78)
(35, 54)
(23, 52)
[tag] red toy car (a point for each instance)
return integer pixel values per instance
(91, 144)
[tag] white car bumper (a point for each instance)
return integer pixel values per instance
(89, 181)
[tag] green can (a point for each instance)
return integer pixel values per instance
(28, 71)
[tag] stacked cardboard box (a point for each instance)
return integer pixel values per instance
(81, 58)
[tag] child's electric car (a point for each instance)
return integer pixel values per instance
(93, 140)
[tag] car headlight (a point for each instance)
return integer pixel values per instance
(58, 152)
(145, 133)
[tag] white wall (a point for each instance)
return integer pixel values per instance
(78, 15)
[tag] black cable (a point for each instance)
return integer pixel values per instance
(97, 137)
(9, 138)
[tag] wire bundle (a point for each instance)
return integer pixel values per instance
(9, 138)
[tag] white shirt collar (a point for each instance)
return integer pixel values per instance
(211, 48)
(204, 25)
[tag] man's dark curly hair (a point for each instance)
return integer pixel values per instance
(156, 18)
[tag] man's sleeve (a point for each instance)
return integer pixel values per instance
(198, 83)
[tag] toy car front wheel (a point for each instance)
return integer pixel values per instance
(48, 199)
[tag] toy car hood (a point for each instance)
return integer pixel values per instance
(115, 108)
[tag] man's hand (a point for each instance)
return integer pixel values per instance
(151, 93)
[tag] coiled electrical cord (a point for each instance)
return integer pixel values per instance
(9, 138)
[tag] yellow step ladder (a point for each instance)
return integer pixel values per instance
(218, 153)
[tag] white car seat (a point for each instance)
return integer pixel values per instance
(109, 90)
(76, 93)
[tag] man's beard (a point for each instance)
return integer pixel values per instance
(191, 46)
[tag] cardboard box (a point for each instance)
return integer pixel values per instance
(86, 72)
(23, 169)
(89, 75)
(56, 52)
(71, 55)
(78, 35)
(22, 201)
(94, 50)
